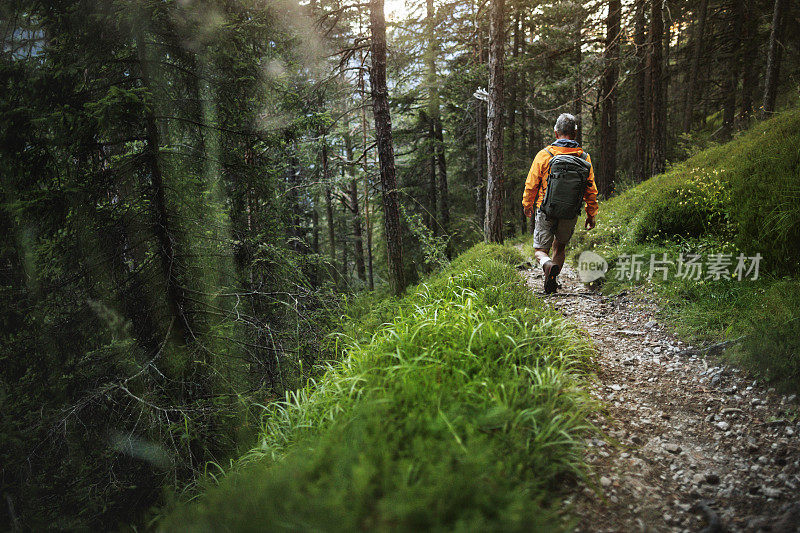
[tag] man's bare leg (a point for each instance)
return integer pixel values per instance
(559, 252)
(541, 255)
(550, 267)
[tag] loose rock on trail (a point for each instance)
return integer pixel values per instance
(694, 445)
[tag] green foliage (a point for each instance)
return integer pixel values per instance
(771, 326)
(462, 411)
(737, 197)
(742, 194)
(150, 292)
(434, 248)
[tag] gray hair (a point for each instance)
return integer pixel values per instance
(566, 125)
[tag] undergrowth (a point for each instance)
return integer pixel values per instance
(458, 407)
(739, 197)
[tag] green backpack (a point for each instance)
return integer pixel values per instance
(566, 183)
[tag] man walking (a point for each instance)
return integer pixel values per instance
(560, 179)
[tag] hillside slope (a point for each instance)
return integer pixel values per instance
(737, 198)
(461, 406)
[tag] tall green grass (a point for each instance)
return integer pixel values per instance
(458, 407)
(738, 197)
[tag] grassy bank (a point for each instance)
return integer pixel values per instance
(740, 197)
(457, 407)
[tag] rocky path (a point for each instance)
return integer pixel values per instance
(699, 446)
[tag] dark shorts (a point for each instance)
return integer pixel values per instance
(546, 230)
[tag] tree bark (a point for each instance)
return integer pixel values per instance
(514, 190)
(162, 222)
(608, 121)
(432, 192)
(493, 226)
(443, 194)
(665, 75)
(642, 96)
(328, 202)
(578, 85)
(731, 82)
(750, 64)
(315, 227)
(293, 196)
(383, 134)
(364, 166)
(774, 58)
(656, 69)
(331, 224)
(698, 35)
(480, 164)
(513, 83)
(524, 123)
(434, 112)
(358, 234)
(480, 144)
(432, 215)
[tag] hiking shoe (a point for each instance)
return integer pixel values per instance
(550, 270)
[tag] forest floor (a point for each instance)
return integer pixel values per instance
(693, 443)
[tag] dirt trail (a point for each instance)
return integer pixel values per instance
(697, 439)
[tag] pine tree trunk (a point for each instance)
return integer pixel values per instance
(774, 58)
(293, 196)
(578, 84)
(434, 114)
(162, 222)
(480, 164)
(608, 121)
(345, 273)
(665, 76)
(367, 206)
(480, 143)
(642, 95)
(315, 227)
(513, 190)
(326, 177)
(513, 84)
(531, 142)
(433, 204)
(731, 82)
(357, 231)
(524, 122)
(432, 215)
(331, 224)
(383, 134)
(698, 36)
(441, 175)
(750, 64)
(355, 210)
(656, 69)
(493, 226)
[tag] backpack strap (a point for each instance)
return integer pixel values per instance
(583, 155)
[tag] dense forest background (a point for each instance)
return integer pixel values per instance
(189, 188)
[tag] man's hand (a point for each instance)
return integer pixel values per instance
(590, 223)
(528, 211)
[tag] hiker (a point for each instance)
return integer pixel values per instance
(568, 171)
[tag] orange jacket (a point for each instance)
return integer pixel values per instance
(536, 184)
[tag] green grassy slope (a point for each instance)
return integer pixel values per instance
(740, 197)
(458, 407)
